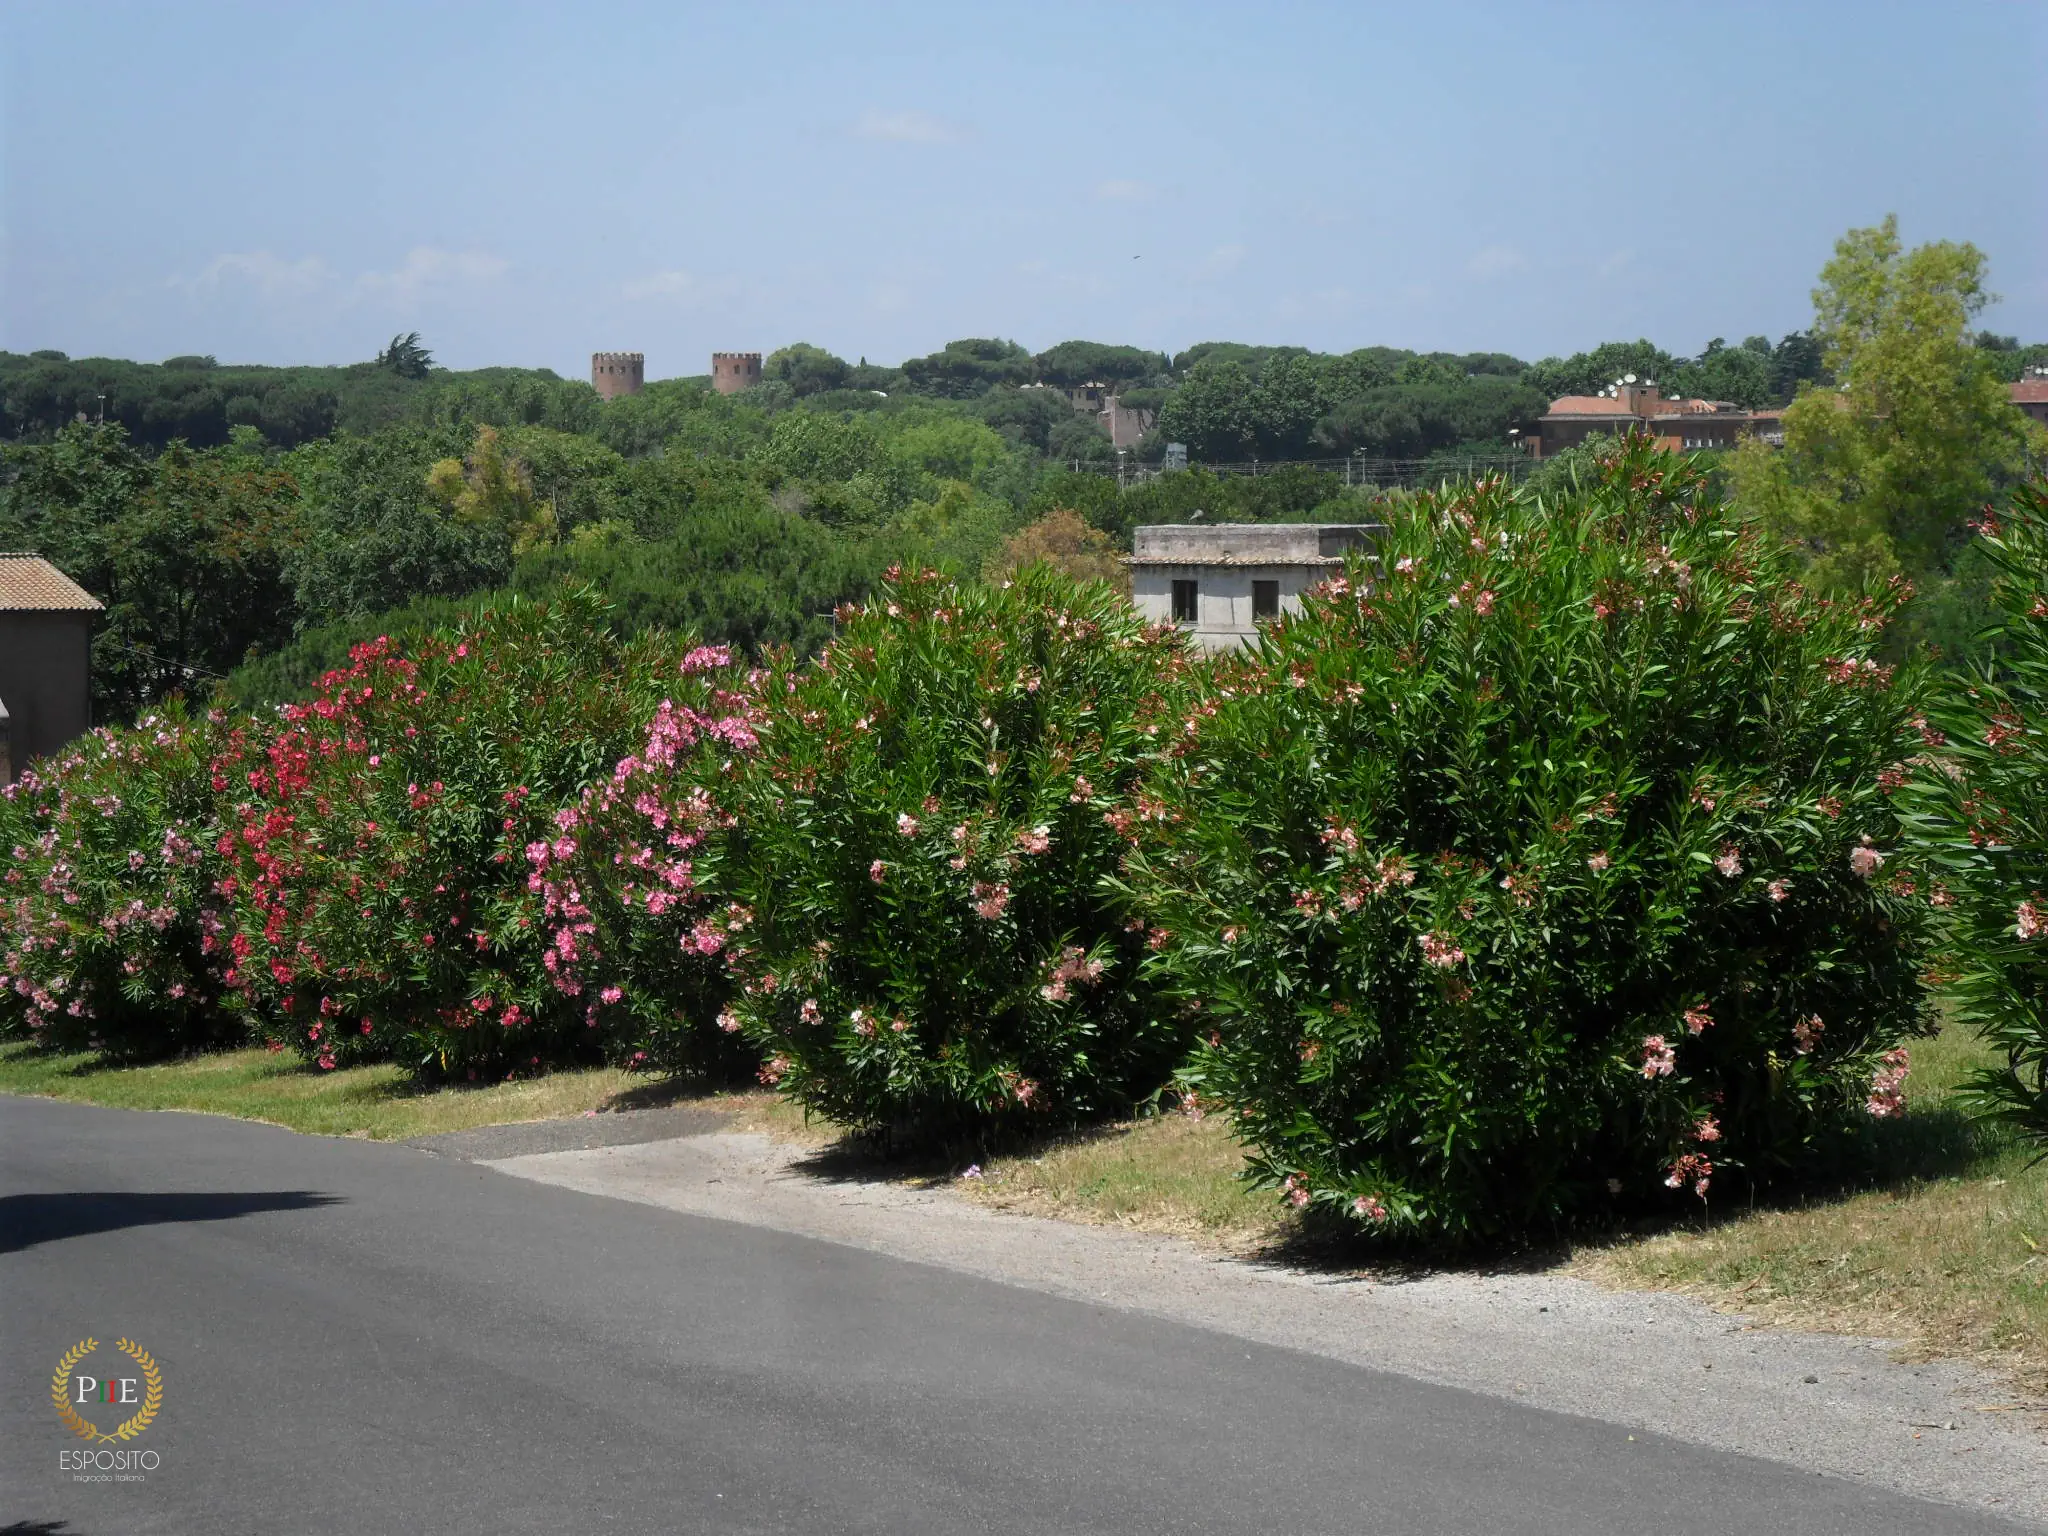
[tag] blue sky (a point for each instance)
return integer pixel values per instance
(525, 184)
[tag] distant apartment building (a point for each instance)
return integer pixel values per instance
(1632, 405)
(45, 653)
(1220, 581)
(1125, 424)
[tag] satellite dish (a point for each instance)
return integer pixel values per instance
(1628, 378)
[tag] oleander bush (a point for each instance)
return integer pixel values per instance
(1545, 871)
(1982, 804)
(376, 836)
(107, 904)
(921, 928)
(630, 923)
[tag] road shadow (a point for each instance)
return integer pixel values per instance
(867, 1157)
(40, 1528)
(27, 1220)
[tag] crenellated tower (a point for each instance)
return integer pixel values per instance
(613, 374)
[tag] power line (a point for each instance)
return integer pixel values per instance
(187, 667)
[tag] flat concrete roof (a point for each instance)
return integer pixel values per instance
(1250, 543)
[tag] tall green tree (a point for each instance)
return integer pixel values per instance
(1881, 472)
(806, 369)
(406, 357)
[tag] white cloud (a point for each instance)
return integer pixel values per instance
(427, 266)
(1496, 261)
(1616, 262)
(888, 298)
(680, 289)
(268, 273)
(1221, 262)
(661, 285)
(908, 127)
(1125, 192)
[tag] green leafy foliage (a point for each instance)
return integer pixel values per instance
(1543, 872)
(963, 369)
(918, 853)
(372, 535)
(189, 551)
(1982, 819)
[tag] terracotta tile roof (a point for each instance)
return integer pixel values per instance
(1588, 405)
(29, 581)
(2030, 392)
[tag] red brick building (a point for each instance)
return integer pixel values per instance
(2031, 396)
(1631, 405)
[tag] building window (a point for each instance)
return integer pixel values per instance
(1184, 595)
(1265, 599)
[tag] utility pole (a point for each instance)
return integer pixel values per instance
(103, 410)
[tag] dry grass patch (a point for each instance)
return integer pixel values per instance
(766, 1113)
(1952, 1263)
(1169, 1174)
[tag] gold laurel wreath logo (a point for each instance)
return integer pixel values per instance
(127, 1429)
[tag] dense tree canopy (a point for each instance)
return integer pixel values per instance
(228, 510)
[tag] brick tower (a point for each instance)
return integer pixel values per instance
(613, 374)
(732, 372)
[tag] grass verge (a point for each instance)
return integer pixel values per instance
(1169, 1174)
(376, 1101)
(1949, 1255)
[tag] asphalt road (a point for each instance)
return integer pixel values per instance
(366, 1338)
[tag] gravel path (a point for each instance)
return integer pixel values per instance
(1657, 1362)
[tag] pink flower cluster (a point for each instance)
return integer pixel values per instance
(1691, 1168)
(1440, 951)
(2027, 920)
(1888, 1084)
(1393, 872)
(1074, 966)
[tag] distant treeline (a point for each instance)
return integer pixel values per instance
(1225, 400)
(245, 517)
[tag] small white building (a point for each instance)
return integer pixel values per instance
(1219, 580)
